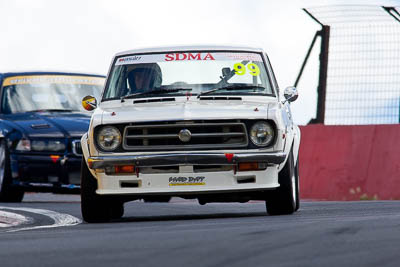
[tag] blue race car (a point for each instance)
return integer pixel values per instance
(41, 123)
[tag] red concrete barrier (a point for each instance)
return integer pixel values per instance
(350, 162)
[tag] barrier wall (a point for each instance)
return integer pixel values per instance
(350, 162)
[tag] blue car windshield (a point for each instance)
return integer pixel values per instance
(48, 92)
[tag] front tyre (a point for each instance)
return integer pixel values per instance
(297, 174)
(8, 192)
(96, 208)
(285, 199)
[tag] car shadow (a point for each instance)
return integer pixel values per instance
(187, 217)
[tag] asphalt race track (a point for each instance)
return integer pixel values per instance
(183, 233)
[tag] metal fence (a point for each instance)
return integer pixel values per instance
(363, 73)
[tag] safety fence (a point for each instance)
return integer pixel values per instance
(363, 68)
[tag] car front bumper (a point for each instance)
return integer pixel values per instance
(200, 158)
(43, 173)
(185, 180)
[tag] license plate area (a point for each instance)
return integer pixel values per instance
(187, 180)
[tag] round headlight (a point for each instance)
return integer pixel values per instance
(262, 133)
(109, 138)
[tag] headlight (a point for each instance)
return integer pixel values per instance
(38, 145)
(262, 133)
(55, 146)
(44, 145)
(24, 145)
(109, 138)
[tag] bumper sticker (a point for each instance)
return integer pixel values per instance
(189, 180)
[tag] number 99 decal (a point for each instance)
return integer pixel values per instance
(240, 69)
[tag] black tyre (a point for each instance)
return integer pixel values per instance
(297, 177)
(284, 200)
(8, 192)
(117, 210)
(96, 208)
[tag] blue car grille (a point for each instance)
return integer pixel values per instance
(76, 147)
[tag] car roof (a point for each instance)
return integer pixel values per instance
(190, 48)
(18, 73)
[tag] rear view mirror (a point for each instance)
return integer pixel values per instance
(89, 103)
(226, 72)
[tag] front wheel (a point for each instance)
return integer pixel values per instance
(285, 199)
(96, 208)
(8, 193)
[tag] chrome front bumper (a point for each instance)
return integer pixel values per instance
(170, 159)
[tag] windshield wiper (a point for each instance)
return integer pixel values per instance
(155, 92)
(231, 87)
(51, 110)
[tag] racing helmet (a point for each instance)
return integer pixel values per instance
(151, 73)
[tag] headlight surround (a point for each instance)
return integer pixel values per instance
(262, 133)
(109, 138)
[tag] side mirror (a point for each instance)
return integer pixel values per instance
(89, 103)
(290, 94)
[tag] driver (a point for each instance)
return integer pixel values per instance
(144, 78)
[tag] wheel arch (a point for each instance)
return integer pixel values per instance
(85, 151)
(296, 143)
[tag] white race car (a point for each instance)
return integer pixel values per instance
(197, 122)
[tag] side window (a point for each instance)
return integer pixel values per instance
(273, 74)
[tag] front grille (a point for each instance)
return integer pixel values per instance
(204, 135)
(76, 147)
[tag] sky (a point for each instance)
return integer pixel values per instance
(83, 35)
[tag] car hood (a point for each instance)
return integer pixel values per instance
(50, 124)
(185, 110)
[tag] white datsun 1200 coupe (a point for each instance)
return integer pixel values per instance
(197, 122)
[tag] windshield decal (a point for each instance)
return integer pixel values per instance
(140, 59)
(189, 56)
(64, 79)
(239, 56)
(240, 69)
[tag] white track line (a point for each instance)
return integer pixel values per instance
(60, 219)
(8, 219)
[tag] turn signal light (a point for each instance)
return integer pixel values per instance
(125, 169)
(54, 158)
(248, 166)
(252, 166)
(90, 162)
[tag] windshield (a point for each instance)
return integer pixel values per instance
(152, 75)
(48, 92)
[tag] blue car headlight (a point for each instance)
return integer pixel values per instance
(55, 145)
(48, 145)
(23, 145)
(38, 145)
